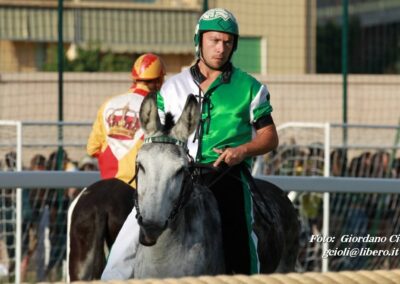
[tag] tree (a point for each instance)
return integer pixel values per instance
(89, 60)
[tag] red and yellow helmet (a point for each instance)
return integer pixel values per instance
(148, 67)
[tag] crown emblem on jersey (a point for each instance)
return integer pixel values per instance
(123, 123)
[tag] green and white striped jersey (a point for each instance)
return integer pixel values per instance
(230, 107)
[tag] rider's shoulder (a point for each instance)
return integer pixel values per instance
(242, 76)
(177, 83)
(178, 78)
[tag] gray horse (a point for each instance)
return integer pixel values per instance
(180, 225)
(179, 222)
(175, 242)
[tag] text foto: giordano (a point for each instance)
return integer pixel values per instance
(369, 239)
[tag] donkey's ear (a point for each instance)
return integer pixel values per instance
(189, 119)
(148, 115)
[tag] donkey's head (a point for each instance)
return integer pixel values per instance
(162, 165)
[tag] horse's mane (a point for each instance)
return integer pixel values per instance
(169, 123)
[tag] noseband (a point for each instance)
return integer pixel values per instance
(187, 183)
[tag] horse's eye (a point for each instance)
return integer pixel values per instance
(140, 167)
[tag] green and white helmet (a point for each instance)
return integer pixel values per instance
(216, 19)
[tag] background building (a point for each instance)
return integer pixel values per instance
(29, 32)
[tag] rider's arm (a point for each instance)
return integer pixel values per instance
(265, 140)
(97, 136)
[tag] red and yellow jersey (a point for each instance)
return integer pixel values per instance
(116, 134)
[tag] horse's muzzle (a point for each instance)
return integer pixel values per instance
(150, 232)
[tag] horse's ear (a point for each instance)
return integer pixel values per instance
(189, 119)
(148, 115)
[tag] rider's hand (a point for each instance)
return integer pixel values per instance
(231, 156)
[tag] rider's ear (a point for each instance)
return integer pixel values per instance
(188, 120)
(148, 115)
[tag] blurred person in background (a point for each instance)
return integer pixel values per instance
(88, 164)
(116, 135)
(4, 260)
(54, 215)
(360, 166)
(396, 168)
(10, 161)
(59, 161)
(380, 165)
(33, 204)
(338, 159)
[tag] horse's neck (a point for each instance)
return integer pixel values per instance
(191, 245)
(196, 216)
(194, 224)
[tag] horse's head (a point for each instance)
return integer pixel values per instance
(162, 164)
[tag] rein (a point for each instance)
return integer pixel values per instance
(192, 173)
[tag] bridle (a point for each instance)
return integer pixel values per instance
(187, 184)
(191, 176)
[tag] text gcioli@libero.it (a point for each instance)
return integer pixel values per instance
(357, 251)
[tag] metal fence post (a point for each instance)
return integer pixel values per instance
(325, 224)
(18, 237)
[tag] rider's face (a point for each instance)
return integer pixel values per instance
(216, 48)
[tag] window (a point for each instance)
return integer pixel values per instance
(249, 55)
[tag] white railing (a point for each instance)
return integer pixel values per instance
(55, 179)
(323, 184)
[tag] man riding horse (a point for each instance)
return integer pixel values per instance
(116, 135)
(100, 210)
(236, 125)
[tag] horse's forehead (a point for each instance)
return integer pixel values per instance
(161, 153)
